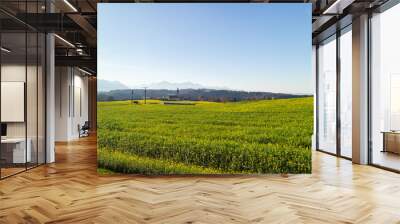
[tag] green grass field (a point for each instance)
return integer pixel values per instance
(267, 136)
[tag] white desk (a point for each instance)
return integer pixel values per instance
(19, 154)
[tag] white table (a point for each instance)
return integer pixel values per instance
(19, 153)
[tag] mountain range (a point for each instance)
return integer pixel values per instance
(106, 85)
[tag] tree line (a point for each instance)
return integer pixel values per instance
(212, 95)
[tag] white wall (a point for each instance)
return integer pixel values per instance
(62, 82)
(80, 110)
(12, 73)
(33, 126)
(71, 102)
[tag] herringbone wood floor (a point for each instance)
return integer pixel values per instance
(70, 191)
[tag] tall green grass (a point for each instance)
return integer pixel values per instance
(268, 136)
(128, 163)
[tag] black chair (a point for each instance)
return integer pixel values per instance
(84, 130)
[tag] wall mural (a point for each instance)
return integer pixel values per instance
(204, 89)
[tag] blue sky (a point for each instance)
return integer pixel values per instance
(253, 47)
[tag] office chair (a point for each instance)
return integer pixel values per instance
(84, 130)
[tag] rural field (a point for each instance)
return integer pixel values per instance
(264, 136)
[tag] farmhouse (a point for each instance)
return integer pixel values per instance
(173, 97)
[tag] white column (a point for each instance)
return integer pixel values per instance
(50, 99)
(360, 90)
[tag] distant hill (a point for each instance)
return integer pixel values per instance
(106, 85)
(177, 85)
(192, 94)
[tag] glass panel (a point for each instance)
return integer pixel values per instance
(41, 99)
(13, 79)
(327, 96)
(32, 89)
(23, 90)
(31, 98)
(346, 94)
(385, 83)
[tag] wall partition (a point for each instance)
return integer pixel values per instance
(22, 98)
(385, 89)
(14, 153)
